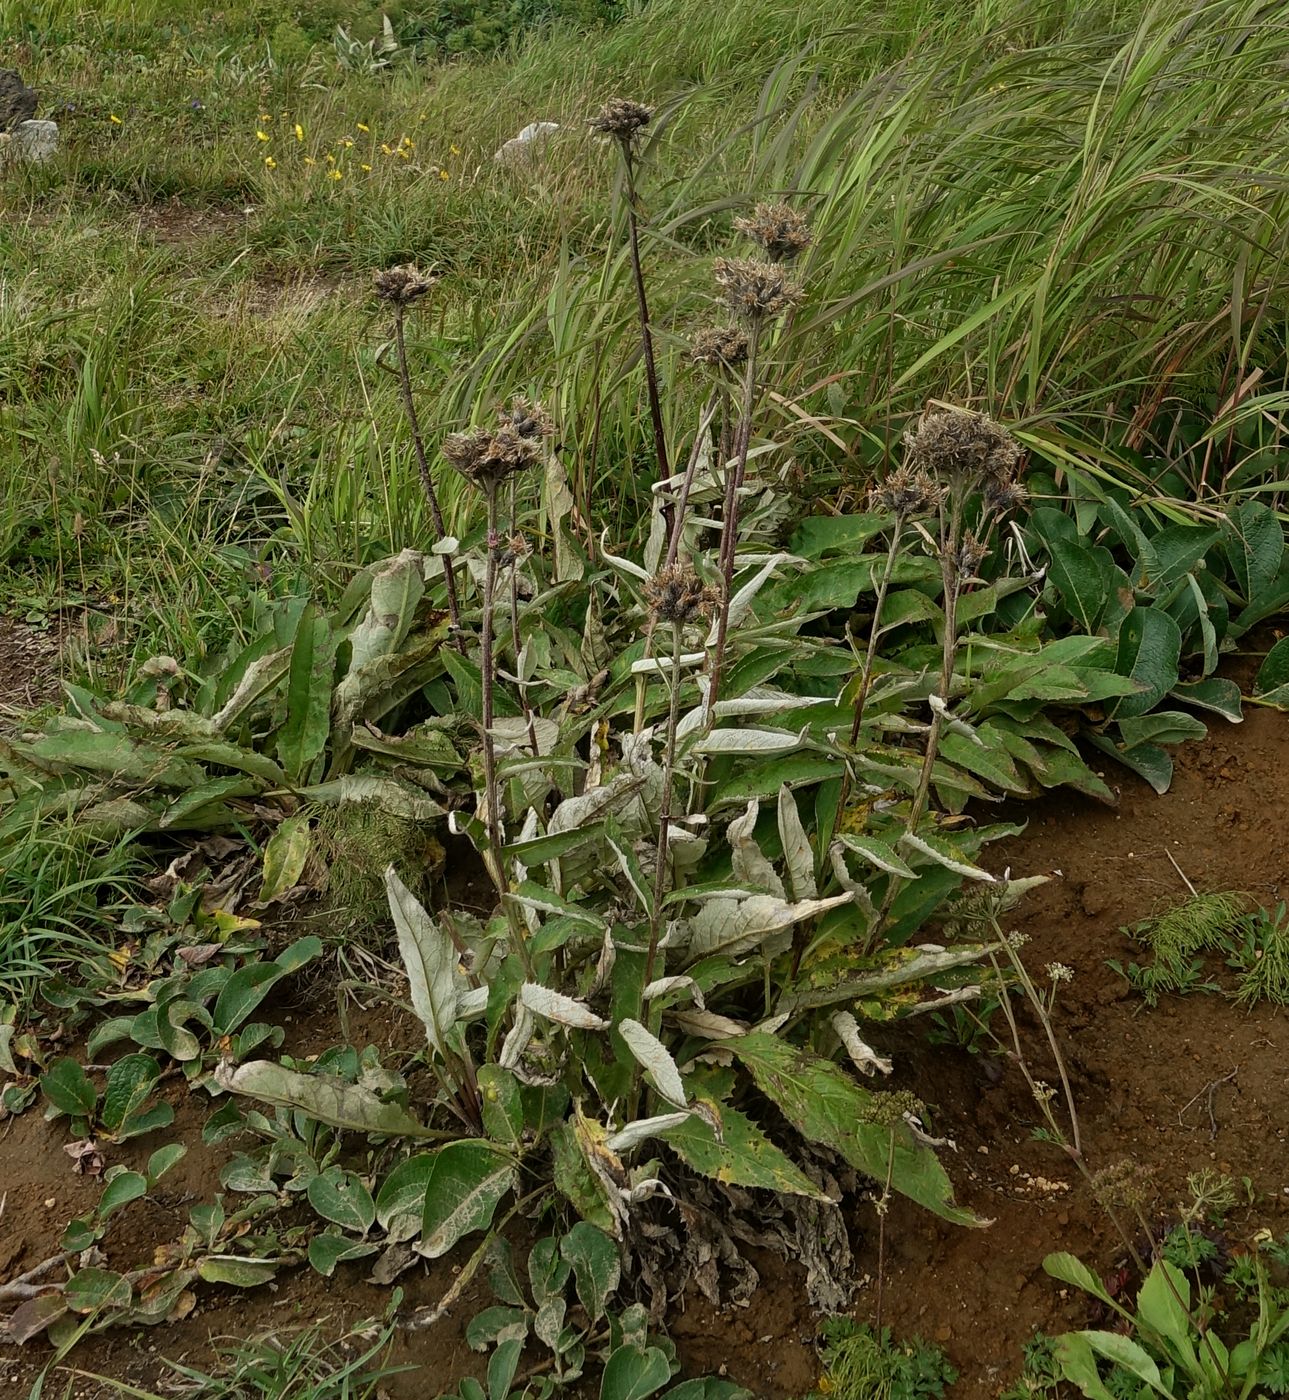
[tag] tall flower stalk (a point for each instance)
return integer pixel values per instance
(963, 453)
(757, 291)
(489, 457)
(622, 121)
(403, 286)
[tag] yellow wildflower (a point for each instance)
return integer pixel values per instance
(261, 136)
(386, 149)
(443, 175)
(309, 160)
(347, 142)
(265, 117)
(335, 174)
(331, 160)
(403, 154)
(114, 119)
(299, 132)
(363, 127)
(270, 162)
(365, 166)
(455, 150)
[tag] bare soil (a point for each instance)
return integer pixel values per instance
(1154, 1086)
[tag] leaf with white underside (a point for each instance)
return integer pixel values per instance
(430, 960)
(748, 861)
(555, 1006)
(940, 851)
(877, 853)
(655, 1059)
(749, 741)
(797, 854)
(329, 1100)
(734, 926)
(634, 1133)
(863, 1056)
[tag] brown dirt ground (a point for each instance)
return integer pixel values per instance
(1143, 1081)
(29, 667)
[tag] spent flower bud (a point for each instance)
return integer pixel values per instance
(676, 594)
(779, 229)
(755, 289)
(403, 284)
(621, 119)
(962, 446)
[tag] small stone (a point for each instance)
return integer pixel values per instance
(983, 1150)
(1014, 1169)
(943, 1334)
(51, 1202)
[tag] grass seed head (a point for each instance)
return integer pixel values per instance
(676, 594)
(755, 289)
(403, 284)
(962, 446)
(621, 119)
(779, 229)
(719, 346)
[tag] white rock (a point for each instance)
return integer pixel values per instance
(34, 141)
(526, 142)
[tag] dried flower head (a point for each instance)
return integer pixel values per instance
(956, 444)
(970, 555)
(720, 346)
(676, 594)
(621, 119)
(889, 1110)
(779, 229)
(1003, 497)
(906, 492)
(403, 284)
(488, 457)
(755, 289)
(527, 418)
(1060, 972)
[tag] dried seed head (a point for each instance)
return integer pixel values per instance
(906, 492)
(959, 445)
(513, 550)
(889, 1110)
(527, 418)
(1125, 1183)
(676, 594)
(779, 229)
(1002, 496)
(403, 284)
(755, 289)
(970, 555)
(720, 346)
(621, 119)
(488, 458)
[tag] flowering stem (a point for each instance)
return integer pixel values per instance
(492, 788)
(422, 463)
(866, 675)
(729, 532)
(642, 304)
(664, 816)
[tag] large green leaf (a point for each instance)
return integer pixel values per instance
(1255, 545)
(1150, 646)
(468, 1180)
(285, 855)
(68, 1089)
(825, 1105)
(593, 1256)
(308, 694)
(129, 1083)
(743, 1155)
(249, 985)
(1084, 578)
(340, 1197)
(633, 1374)
(400, 1202)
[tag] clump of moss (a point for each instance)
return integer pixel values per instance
(357, 841)
(1206, 923)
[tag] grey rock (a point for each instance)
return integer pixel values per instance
(34, 141)
(17, 100)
